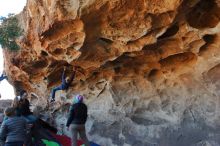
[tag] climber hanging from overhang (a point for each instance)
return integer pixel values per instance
(66, 82)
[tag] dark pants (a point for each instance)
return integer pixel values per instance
(14, 144)
(54, 91)
(81, 130)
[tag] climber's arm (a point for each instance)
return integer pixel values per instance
(63, 75)
(73, 76)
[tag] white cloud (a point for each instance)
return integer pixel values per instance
(11, 6)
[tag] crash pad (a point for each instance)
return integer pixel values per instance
(66, 141)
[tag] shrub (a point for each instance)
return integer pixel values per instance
(9, 31)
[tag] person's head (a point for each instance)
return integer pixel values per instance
(23, 94)
(78, 99)
(9, 112)
(67, 79)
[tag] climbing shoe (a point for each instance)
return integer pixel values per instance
(52, 100)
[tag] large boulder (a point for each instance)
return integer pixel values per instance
(149, 69)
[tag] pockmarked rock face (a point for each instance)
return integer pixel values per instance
(149, 69)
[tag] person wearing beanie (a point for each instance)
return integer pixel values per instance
(77, 119)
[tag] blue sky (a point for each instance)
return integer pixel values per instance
(6, 7)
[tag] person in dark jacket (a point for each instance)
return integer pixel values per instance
(21, 104)
(66, 81)
(25, 112)
(77, 119)
(22, 108)
(24, 104)
(13, 130)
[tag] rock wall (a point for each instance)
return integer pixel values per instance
(149, 69)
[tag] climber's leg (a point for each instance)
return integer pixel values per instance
(53, 92)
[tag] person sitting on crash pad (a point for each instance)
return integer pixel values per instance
(66, 81)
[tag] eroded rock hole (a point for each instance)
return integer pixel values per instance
(58, 51)
(95, 73)
(15, 61)
(56, 26)
(153, 72)
(206, 5)
(208, 38)
(57, 64)
(40, 64)
(44, 53)
(170, 32)
(108, 41)
(117, 69)
(204, 15)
